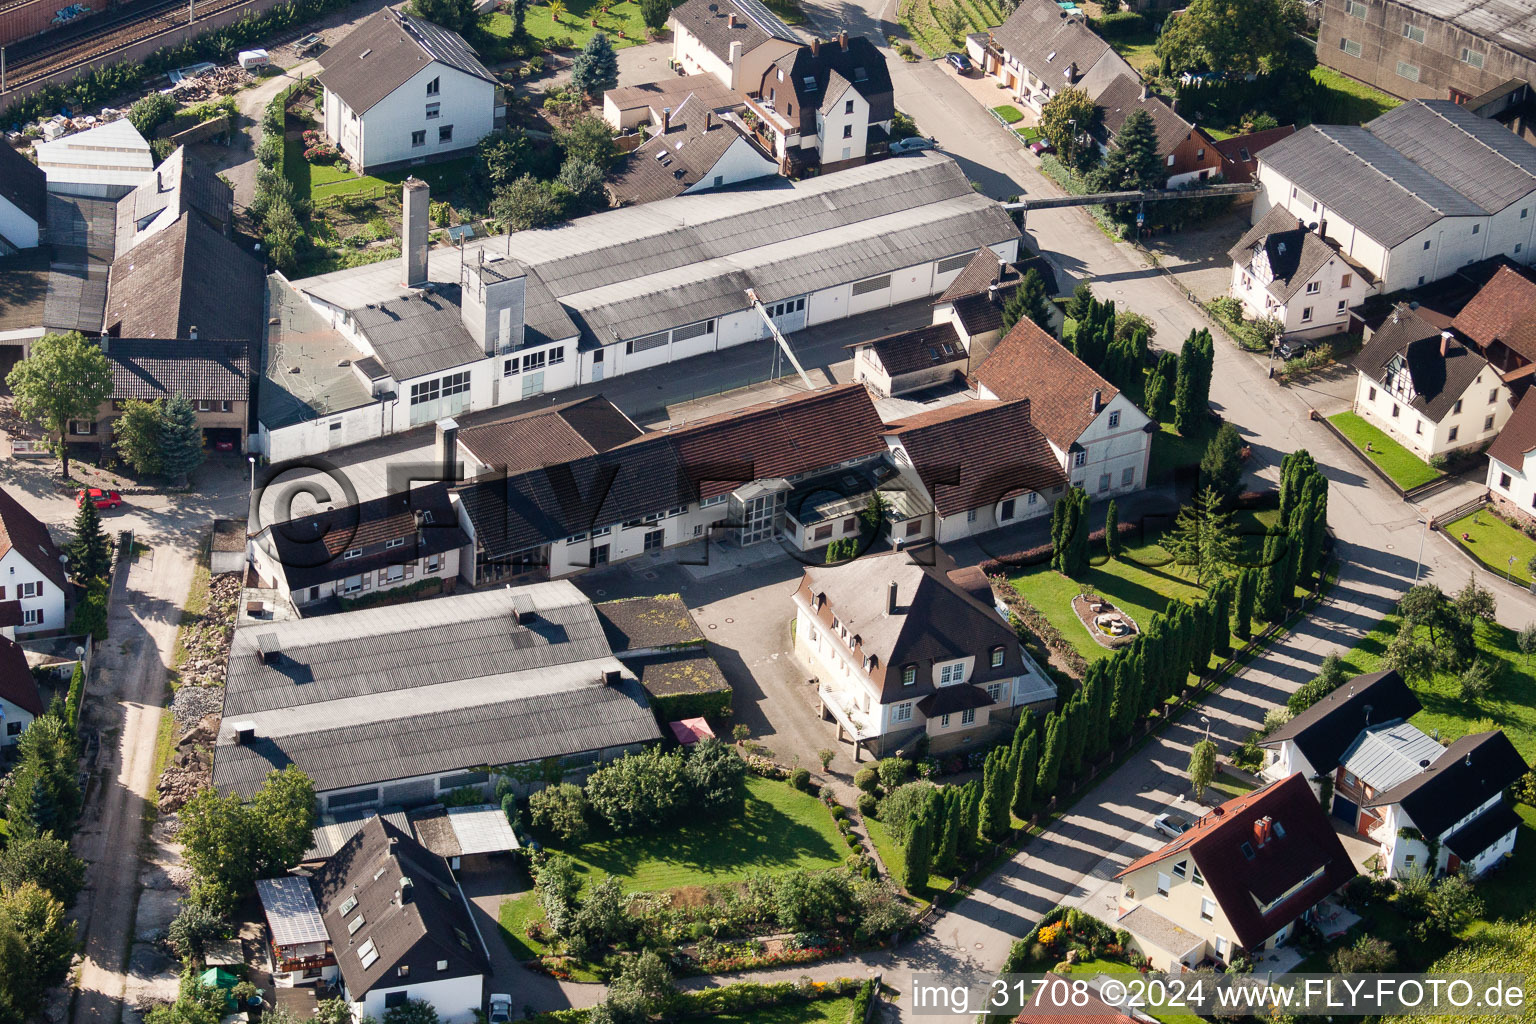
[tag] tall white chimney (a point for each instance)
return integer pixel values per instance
(415, 200)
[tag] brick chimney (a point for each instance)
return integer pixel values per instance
(709, 119)
(842, 39)
(1262, 830)
(890, 598)
(1098, 400)
(815, 46)
(1445, 342)
(666, 120)
(730, 20)
(415, 200)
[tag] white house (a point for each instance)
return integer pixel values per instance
(899, 649)
(1426, 389)
(1284, 271)
(400, 90)
(1411, 197)
(1313, 743)
(1512, 462)
(20, 702)
(733, 40)
(105, 162)
(1102, 441)
(31, 569)
(23, 201)
(694, 149)
(829, 104)
(400, 927)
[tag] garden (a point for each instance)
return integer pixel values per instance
(1405, 469)
(570, 24)
(938, 27)
(1503, 548)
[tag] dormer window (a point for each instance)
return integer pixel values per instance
(909, 675)
(997, 657)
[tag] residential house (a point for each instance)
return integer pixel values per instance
(1501, 321)
(565, 306)
(629, 106)
(401, 927)
(399, 90)
(1103, 442)
(31, 568)
(1237, 881)
(23, 201)
(1413, 196)
(899, 650)
(693, 150)
(408, 539)
(20, 702)
(300, 947)
(1282, 270)
(1313, 743)
(1042, 49)
(215, 376)
(733, 40)
(182, 184)
(1511, 466)
(1188, 155)
(401, 703)
(1240, 153)
(827, 104)
(1450, 815)
(1420, 49)
(974, 301)
(1426, 389)
(104, 162)
(982, 464)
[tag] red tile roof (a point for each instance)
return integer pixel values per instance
(1240, 153)
(21, 530)
(1029, 363)
(1299, 862)
(1092, 1011)
(1504, 310)
(975, 454)
(1518, 435)
(16, 682)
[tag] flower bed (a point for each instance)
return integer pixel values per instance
(1091, 608)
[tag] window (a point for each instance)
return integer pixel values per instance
(646, 343)
(226, 406)
(1475, 59)
(902, 712)
(1452, 435)
(31, 590)
(432, 87)
(1080, 459)
(1247, 851)
(950, 263)
(434, 111)
(914, 528)
(1426, 247)
(1370, 395)
(1032, 497)
(1306, 314)
(823, 532)
(1493, 395)
(1504, 480)
(1488, 423)
(851, 524)
(1355, 9)
(1313, 287)
(997, 657)
(509, 367)
(32, 617)
(1207, 910)
(1114, 419)
(1006, 512)
(1103, 481)
(847, 131)
(359, 796)
(1394, 411)
(995, 692)
(848, 107)
(1476, 228)
(352, 553)
(1347, 280)
(445, 134)
(556, 355)
(443, 387)
(968, 716)
(392, 999)
(1519, 246)
(655, 540)
(354, 924)
(83, 427)
(719, 180)
(352, 584)
(395, 542)
(1418, 426)
(944, 722)
(1195, 877)
(1413, 32)
(970, 515)
(203, 405)
(1181, 869)
(873, 284)
(950, 674)
(418, 138)
(433, 563)
(909, 675)
(393, 574)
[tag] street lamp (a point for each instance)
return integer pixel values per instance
(1426, 519)
(1072, 140)
(1207, 722)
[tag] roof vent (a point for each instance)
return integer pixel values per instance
(269, 648)
(1424, 764)
(245, 732)
(611, 676)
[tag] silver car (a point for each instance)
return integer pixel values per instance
(501, 1008)
(913, 144)
(1171, 825)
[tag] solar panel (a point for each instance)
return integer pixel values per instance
(291, 911)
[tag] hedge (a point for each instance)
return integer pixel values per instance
(76, 694)
(678, 706)
(391, 594)
(863, 1001)
(1119, 25)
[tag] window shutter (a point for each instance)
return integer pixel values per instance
(2, 593)
(39, 616)
(410, 569)
(367, 580)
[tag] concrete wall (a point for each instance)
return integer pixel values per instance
(456, 999)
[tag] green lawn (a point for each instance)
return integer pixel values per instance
(1171, 450)
(893, 855)
(1495, 542)
(1008, 113)
(1511, 707)
(1137, 50)
(324, 181)
(514, 918)
(1089, 968)
(820, 1011)
(1347, 101)
(577, 23)
(1404, 467)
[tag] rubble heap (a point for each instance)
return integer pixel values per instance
(191, 767)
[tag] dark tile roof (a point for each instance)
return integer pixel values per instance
(1503, 310)
(709, 22)
(431, 925)
(1293, 254)
(671, 162)
(23, 184)
(181, 183)
(17, 684)
(22, 531)
(1483, 831)
(1029, 363)
(1324, 731)
(834, 67)
(385, 50)
(1518, 435)
(975, 454)
(1245, 875)
(1480, 158)
(418, 334)
(1471, 770)
(152, 368)
(186, 276)
(24, 288)
(664, 469)
(82, 233)
(639, 623)
(1123, 94)
(561, 433)
(310, 549)
(1047, 41)
(918, 349)
(1440, 368)
(935, 620)
(1240, 153)
(985, 269)
(947, 700)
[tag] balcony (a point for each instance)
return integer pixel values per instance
(844, 707)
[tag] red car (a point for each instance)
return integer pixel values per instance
(99, 498)
(223, 446)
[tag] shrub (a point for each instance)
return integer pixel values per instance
(800, 779)
(866, 779)
(562, 809)
(1120, 25)
(899, 810)
(1369, 955)
(893, 772)
(868, 804)
(1274, 718)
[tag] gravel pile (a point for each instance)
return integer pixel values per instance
(194, 703)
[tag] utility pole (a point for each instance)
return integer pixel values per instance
(191, 11)
(2, 69)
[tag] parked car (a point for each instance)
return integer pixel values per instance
(1171, 825)
(223, 446)
(913, 144)
(501, 1008)
(1290, 348)
(100, 498)
(1040, 145)
(959, 61)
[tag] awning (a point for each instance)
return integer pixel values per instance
(949, 699)
(691, 730)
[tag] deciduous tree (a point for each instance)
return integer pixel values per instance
(1068, 120)
(1202, 767)
(65, 378)
(136, 435)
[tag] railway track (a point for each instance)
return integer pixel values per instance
(143, 22)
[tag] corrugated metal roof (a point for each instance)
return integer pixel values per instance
(483, 828)
(290, 906)
(1386, 754)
